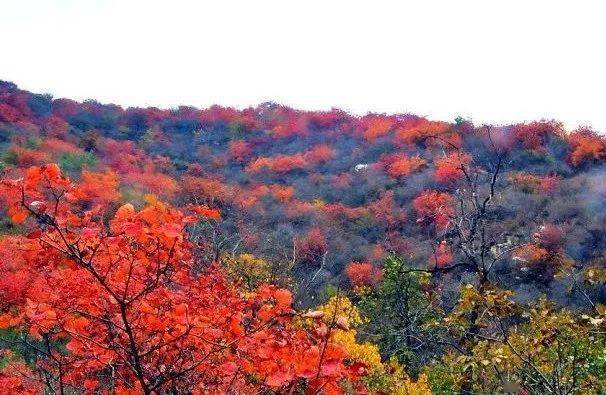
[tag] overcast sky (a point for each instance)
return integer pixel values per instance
(491, 61)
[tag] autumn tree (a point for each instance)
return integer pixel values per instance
(399, 165)
(399, 312)
(384, 375)
(586, 146)
(434, 208)
(556, 351)
(469, 222)
(362, 274)
(109, 302)
(313, 247)
(448, 168)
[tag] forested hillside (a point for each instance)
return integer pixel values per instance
(152, 250)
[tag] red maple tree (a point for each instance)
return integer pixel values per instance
(433, 207)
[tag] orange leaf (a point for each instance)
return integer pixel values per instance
(125, 212)
(283, 297)
(19, 216)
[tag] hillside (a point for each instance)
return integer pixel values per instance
(330, 202)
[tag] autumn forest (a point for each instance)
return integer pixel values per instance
(270, 250)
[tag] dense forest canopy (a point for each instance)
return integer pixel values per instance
(420, 255)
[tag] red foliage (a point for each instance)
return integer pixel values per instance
(279, 164)
(162, 164)
(65, 108)
(195, 169)
(427, 132)
(531, 254)
(25, 157)
(122, 156)
(434, 207)
(155, 183)
(122, 296)
(320, 153)
(397, 243)
(376, 126)
(386, 211)
(313, 246)
(399, 165)
(363, 274)
(57, 146)
(18, 378)
(240, 151)
(205, 190)
(55, 126)
(587, 147)
(8, 113)
(229, 115)
(549, 184)
(283, 164)
(377, 254)
(343, 180)
(550, 237)
(442, 255)
(19, 101)
(284, 122)
(534, 135)
(282, 193)
(329, 119)
(341, 212)
(449, 169)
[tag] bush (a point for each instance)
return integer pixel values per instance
(74, 163)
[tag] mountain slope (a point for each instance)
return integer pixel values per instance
(312, 192)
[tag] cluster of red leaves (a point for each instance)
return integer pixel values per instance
(429, 133)
(397, 243)
(282, 193)
(239, 151)
(64, 108)
(533, 135)
(342, 213)
(209, 191)
(153, 182)
(8, 113)
(531, 254)
(398, 165)
(300, 208)
(449, 169)
(121, 293)
(386, 211)
(55, 127)
(56, 146)
(442, 256)
(278, 164)
(362, 274)
(549, 184)
(433, 207)
(28, 157)
(313, 246)
(376, 126)
(282, 164)
(586, 147)
(101, 187)
(319, 154)
(285, 122)
(17, 378)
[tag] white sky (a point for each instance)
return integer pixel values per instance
(491, 61)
